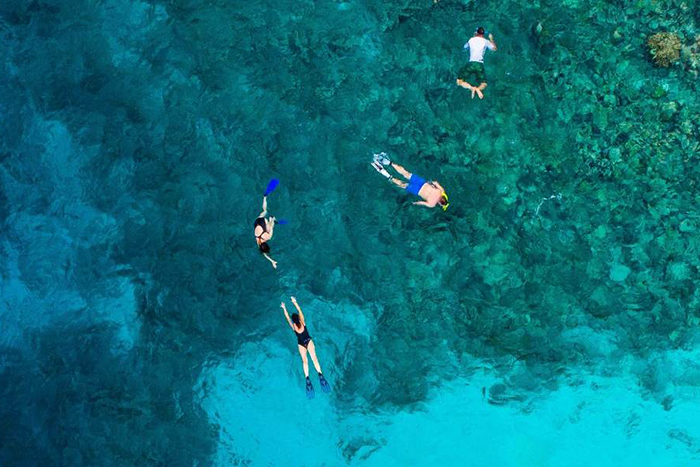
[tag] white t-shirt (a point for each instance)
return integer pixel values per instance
(477, 48)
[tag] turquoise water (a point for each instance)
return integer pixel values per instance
(549, 318)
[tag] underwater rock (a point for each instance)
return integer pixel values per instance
(668, 111)
(687, 127)
(665, 48)
(687, 225)
(619, 272)
(667, 403)
(617, 36)
(615, 155)
(498, 395)
(679, 271)
(659, 92)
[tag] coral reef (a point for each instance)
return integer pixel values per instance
(665, 48)
(690, 55)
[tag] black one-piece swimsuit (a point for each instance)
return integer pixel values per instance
(303, 337)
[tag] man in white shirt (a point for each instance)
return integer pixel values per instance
(474, 70)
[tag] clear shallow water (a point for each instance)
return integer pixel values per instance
(140, 326)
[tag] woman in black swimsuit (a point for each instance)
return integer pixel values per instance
(263, 229)
(305, 344)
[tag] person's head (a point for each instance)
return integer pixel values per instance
(296, 320)
(480, 31)
(264, 247)
(444, 201)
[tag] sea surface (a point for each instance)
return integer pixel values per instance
(550, 317)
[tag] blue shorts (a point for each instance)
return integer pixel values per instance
(415, 184)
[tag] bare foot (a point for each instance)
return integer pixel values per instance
(469, 87)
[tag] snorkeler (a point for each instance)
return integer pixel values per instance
(432, 192)
(263, 230)
(305, 344)
(474, 70)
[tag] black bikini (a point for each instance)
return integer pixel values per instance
(303, 337)
(260, 221)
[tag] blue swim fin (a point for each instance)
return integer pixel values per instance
(309, 389)
(325, 385)
(271, 186)
(282, 221)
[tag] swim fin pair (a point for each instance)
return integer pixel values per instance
(380, 160)
(325, 386)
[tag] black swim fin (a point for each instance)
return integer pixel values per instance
(325, 385)
(309, 389)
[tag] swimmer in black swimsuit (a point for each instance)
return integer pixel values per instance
(305, 344)
(263, 230)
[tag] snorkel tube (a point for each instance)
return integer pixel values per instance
(447, 202)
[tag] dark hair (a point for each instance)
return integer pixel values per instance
(264, 247)
(296, 320)
(480, 30)
(443, 201)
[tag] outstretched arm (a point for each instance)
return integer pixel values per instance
(286, 315)
(423, 203)
(495, 47)
(274, 263)
(301, 313)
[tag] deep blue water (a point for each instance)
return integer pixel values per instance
(549, 317)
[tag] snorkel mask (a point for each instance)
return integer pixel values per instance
(447, 202)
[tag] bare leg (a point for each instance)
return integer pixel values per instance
(464, 84)
(312, 352)
(399, 183)
(377, 166)
(404, 173)
(305, 360)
